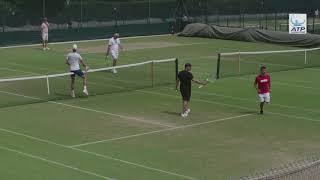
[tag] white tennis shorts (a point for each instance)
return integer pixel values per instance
(264, 97)
(114, 55)
(45, 36)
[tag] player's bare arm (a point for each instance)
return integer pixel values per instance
(177, 84)
(255, 85)
(199, 82)
(67, 62)
(270, 84)
(83, 64)
(108, 50)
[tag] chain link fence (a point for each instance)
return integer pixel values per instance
(101, 13)
(89, 13)
(87, 19)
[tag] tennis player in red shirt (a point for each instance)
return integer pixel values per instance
(263, 87)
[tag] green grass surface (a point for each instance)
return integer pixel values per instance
(138, 134)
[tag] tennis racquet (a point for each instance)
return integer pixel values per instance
(107, 60)
(208, 79)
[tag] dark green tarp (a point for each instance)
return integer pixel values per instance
(250, 35)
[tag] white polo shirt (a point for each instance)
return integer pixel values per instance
(73, 59)
(114, 45)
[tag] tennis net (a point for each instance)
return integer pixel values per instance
(245, 63)
(306, 169)
(42, 88)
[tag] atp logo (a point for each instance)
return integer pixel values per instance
(297, 23)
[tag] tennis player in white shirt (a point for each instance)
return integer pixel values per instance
(45, 33)
(74, 60)
(114, 46)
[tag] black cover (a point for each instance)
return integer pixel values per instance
(250, 35)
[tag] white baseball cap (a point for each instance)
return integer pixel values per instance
(75, 47)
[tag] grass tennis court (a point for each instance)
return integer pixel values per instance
(138, 133)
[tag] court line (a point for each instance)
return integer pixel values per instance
(112, 114)
(90, 83)
(243, 99)
(31, 67)
(292, 107)
(163, 130)
(15, 70)
(55, 163)
(90, 40)
(230, 105)
(91, 110)
(126, 50)
(249, 100)
(176, 97)
(100, 155)
(283, 84)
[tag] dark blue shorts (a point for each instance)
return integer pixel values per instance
(78, 73)
(185, 93)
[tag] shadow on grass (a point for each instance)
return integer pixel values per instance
(171, 113)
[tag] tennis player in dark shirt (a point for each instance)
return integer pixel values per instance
(184, 82)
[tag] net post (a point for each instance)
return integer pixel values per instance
(176, 68)
(239, 63)
(152, 73)
(218, 66)
(48, 85)
(313, 24)
(305, 57)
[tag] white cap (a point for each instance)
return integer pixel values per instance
(75, 47)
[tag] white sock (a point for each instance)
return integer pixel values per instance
(85, 87)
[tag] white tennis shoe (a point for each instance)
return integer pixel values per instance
(85, 91)
(73, 94)
(184, 115)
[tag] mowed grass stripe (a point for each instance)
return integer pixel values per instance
(164, 130)
(56, 163)
(89, 109)
(230, 105)
(204, 65)
(99, 155)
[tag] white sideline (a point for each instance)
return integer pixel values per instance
(229, 105)
(89, 71)
(99, 155)
(92, 110)
(283, 65)
(249, 100)
(87, 109)
(68, 42)
(55, 163)
(163, 130)
(283, 84)
(42, 75)
(267, 52)
(15, 70)
(281, 105)
(178, 45)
